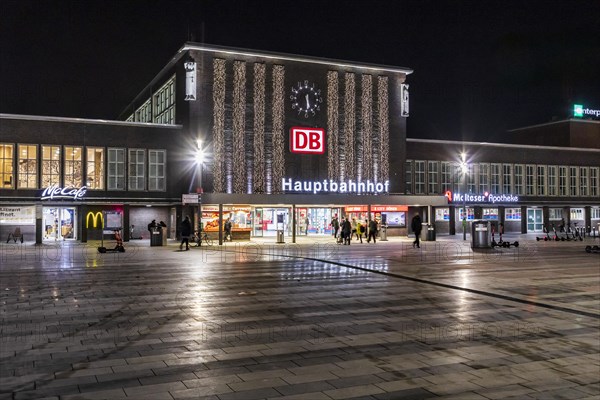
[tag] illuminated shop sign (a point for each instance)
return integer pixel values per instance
(328, 186)
(480, 198)
(307, 140)
(579, 111)
(59, 193)
(375, 208)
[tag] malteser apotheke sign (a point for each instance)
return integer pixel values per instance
(481, 198)
(60, 193)
(328, 185)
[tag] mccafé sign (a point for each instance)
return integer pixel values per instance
(59, 193)
(307, 140)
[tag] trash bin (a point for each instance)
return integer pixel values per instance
(383, 234)
(280, 236)
(156, 238)
(481, 234)
(427, 232)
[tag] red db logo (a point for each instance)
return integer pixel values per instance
(307, 140)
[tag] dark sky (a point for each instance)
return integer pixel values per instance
(481, 67)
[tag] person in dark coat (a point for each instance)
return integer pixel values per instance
(416, 226)
(372, 231)
(346, 231)
(228, 230)
(186, 231)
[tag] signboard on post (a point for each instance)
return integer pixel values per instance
(191, 198)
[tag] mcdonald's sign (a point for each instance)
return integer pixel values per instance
(95, 217)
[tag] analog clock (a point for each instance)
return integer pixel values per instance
(306, 99)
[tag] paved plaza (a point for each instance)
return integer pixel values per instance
(311, 320)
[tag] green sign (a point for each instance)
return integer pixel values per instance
(578, 110)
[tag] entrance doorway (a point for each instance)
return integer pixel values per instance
(59, 223)
(535, 220)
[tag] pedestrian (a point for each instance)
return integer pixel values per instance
(354, 228)
(306, 223)
(360, 229)
(346, 231)
(186, 230)
(416, 226)
(228, 230)
(151, 227)
(372, 231)
(335, 226)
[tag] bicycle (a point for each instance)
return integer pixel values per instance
(202, 238)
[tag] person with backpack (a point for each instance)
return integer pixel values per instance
(186, 231)
(416, 226)
(372, 231)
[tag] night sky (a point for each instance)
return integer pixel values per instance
(480, 67)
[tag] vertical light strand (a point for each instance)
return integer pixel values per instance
(366, 170)
(278, 164)
(218, 124)
(333, 161)
(258, 170)
(349, 126)
(384, 129)
(239, 125)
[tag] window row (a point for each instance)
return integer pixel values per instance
(160, 108)
(435, 177)
(514, 214)
(97, 168)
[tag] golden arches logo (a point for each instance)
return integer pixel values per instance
(95, 216)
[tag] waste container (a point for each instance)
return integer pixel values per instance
(156, 238)
(383, 233)
(481, 234)
(427, 232)
(280, 236)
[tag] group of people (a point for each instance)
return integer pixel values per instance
(346, 230)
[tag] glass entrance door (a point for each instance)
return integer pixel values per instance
(535, 220)
(257, 230)
(59, 223)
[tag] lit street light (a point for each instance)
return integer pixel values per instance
(464, 167)
(200, 156)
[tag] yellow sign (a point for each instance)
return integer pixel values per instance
(95, 216)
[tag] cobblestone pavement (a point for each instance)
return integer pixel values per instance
(312, 320)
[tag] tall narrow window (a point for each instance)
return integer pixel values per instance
(408, 176)
(433, 181)
(507, 179)
(472, 178)
(116, 169)
(446, 177)
(530, 180)
(7, 175)
(583, 181)
(419, 177)
(495, 175)
(519, 175)
(552, 180)
(484, 178)
(156, 170)
(164, 103)
(137, 169)
(144, 112)
(28, 166)
(562, 181)
(73, 174)
(594, 181)
(95, 168)
(573, 187)
(50, 166)
(541, 180)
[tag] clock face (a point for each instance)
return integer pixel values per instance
(306, 99)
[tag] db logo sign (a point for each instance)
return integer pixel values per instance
(307, 140)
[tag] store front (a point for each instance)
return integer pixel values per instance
(59, 223)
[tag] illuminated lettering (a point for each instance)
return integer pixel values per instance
(57, 192)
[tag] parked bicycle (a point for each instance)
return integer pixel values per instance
(200, 238)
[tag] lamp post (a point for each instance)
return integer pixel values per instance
(464, 167)
(199, 165)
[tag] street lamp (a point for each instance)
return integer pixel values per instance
(464, 167)
(200, 156)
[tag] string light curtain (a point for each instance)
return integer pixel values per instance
(348, 172)
(333, 161)
(278, 162)
(258, 170)
(239, 128)
(383, 169)
(218, 124)
(365, 169)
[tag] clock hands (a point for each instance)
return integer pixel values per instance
(307, 102)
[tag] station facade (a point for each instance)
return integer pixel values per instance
(288, 143)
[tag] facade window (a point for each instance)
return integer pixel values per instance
(507, 179)
(512, 214)
(576, 213)
(446, 176)
(95, 168)
(583, 181)
(28, 166)
(530, 180)
(73, 175)
(442, 214)
(484, 178)
(408, 177)
(137, 169)
(129, 119)
(164, 103)
(432, 173)
(595, 213)
(562, 181)
(7, 174)
(552, 180)
(490, 213)
(555, 214)
(573, 181)
(495, 178)
(470, 213)
(519, 179)
(594, 181)
(419, 177)
(50, 166)
(156, 170)
(116, 169)
(472, 178)
(541, 180)
(144, 112)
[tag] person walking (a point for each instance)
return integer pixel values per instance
(416, 226)
(335, 226)
(354, 228)
(372, 231)
(186, 231)
(360, 229)
(228, 230)
(346, 231)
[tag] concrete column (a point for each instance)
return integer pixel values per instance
(39, 223)
(220, 224)
(293, 223)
